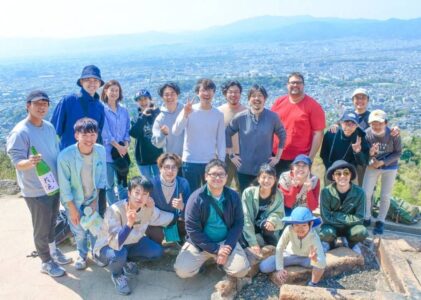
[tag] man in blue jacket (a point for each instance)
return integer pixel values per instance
(76, 106)
(214, 223)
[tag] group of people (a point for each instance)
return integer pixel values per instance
(190, 158)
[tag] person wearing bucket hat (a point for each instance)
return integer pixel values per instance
(299, 245)
(348, 143)
(122, 240)
(75, 106)
(385, 152)
(342, 207)
(299, 186)
(146, 153)
(34, 131)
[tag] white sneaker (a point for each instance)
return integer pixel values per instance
(357, 249)
(80, 263)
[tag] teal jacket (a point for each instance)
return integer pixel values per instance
(69, 173)
(274, 213)
(349, 213)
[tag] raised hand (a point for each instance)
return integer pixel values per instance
(130, 215)
(313, 253)
(357, 146)
(165, 130)
(282, 276)
(396, 131)
(188, 108)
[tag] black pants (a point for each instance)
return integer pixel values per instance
(44, 211)
(245, 181)
(282, 166)
(269, 237)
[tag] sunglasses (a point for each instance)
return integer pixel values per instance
(339, 173)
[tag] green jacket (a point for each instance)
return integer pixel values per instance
(274, 213)
(349, 213)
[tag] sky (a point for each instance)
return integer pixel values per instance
(80, 18)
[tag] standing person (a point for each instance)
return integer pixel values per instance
(342, 207)
(348, 143)
(170, 193)
(35, 132)
(385, 152)
(214, 223)
(263, 208)
(299, 186)
(304, 121)
(76, 106)
(299, 245)
(82, 173)
(145, 152)
(162, 136)
(204, 133)
(115, 135)
(122, 237)
(256, 128)
(232, 90)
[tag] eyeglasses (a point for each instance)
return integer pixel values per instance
(295, 82)
(339, 173)
(217, 175)
(170, 167)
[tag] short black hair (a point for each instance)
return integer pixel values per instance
(215, 163)
(257, 88)
(206, 83)
(171, 85)
(227, 84)
(296, 74)
(140, 181)
(86, 125)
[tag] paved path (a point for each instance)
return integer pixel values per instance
(20, 277)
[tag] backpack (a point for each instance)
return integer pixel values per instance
(62, 231)
(401, 211)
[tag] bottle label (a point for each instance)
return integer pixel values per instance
(49, 183)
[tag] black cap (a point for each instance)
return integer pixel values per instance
(37, 95)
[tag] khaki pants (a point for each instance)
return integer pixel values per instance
(190, 259)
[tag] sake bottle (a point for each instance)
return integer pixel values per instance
(45, 176)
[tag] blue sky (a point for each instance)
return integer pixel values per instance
(76, 18)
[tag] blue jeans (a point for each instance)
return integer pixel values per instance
(111, 177)
(116, 259)
(268, 265)
(149, 171)
(81, 237)
(194, 173)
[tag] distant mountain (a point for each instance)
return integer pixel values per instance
(264, 29)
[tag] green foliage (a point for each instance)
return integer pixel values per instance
(7, 170)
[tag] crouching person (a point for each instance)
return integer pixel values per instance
(342, 208)
(214, 223)
(122, 238)
(299, 245)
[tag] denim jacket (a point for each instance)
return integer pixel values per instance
(69, 168)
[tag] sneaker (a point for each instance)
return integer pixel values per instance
(367, 223)
(326, 246)
(98, 262)
(356, 248)
(130, 269)
(80, 263)
(311, 283)
(52, 268)
(344, 242)
(378, 227)
(60, 258)
(121, 284)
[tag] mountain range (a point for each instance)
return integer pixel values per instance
(263, 29)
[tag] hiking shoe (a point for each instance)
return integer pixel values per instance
(326, 246)
(98, 262)
(80, 263)
(121, 284)
(60, 258)
(357, 249)
(378, 228)
(52, 268)
(130, 269)
(367, 223)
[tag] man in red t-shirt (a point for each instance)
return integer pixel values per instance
(303, 119)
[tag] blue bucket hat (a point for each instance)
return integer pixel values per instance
(143, 93)
(301, 215)
(90, 71)
(302, 158)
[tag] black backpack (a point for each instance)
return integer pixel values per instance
(62, 227)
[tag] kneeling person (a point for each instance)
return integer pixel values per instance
(122, 237)
(214, 223)
(299, 245)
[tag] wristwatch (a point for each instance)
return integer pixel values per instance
(231, 156)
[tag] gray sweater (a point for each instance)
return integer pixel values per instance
(256, 138)
(44, 139)
(390, 148)
(204, 134)
(171, 143)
